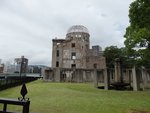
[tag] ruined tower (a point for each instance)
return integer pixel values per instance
(72, 51)
(72, 58)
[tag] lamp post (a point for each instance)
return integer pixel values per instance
(21, 64)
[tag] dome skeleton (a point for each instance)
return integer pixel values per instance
(78, 28)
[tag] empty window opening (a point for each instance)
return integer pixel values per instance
(73, 45)
(73, 55)
(58, 44)
(73, 65)
(57, 64)
(95, 66)
(57, 54)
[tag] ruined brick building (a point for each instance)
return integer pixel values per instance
(74, 51)
(72, 58)
(74, 61)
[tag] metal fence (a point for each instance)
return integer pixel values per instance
(12, 80)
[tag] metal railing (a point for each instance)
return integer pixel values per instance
(22, 101)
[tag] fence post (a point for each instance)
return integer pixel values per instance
(26, 107)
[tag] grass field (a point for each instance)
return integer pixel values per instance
(49, 97)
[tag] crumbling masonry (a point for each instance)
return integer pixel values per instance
(74, 61)
(72, 58)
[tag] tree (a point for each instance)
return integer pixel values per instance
(112, 52)
(137, 33)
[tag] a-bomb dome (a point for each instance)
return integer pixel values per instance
(78, 29)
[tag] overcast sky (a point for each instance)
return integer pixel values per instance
(27, 27)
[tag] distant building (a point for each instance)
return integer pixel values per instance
(21, 64)
(1, 68)
(36, 69)
(97, 50)
(72, 56)
(6, 67)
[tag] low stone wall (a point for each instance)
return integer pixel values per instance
(73, 75)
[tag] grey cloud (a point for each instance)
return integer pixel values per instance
(27, 27)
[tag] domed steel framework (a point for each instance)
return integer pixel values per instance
(77, 28)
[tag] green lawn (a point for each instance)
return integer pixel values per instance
(47, 97)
